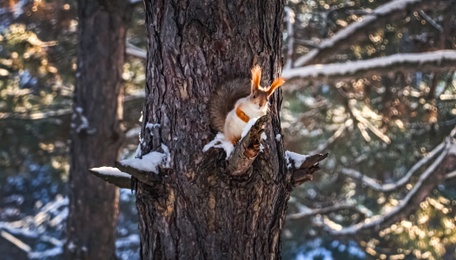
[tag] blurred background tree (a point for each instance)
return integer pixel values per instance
(381, 126)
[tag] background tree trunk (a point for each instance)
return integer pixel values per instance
(198, 210)
(96, 137)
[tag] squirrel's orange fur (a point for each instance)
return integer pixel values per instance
(233, 105)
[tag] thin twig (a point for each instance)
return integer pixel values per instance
(434, 24)
(312, 212)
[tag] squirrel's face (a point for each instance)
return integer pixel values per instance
(259, 95)
(259, 98)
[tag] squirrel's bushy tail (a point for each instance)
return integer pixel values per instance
(223, 100)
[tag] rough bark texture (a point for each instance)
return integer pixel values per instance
(93, 202)
(198, 210)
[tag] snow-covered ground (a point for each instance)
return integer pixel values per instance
(33, 212)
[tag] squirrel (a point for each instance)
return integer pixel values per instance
(233, 104)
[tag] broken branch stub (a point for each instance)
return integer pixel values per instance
(305, 172)
(146, 177)
(119, 179)
(247, 149)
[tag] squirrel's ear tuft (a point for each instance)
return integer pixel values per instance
(256, 77)
(277, 83)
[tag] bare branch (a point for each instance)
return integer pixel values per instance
(429, 61)
(427, 182)
(357, 30)
(247, 149)
(375, 184)
(431, 21)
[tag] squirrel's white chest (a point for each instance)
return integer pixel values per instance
(234, 125)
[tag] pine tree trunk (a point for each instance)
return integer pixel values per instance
(96, 134)
(198, 210)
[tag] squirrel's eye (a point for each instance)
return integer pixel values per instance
(254, 96)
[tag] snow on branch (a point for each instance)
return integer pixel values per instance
(357, 30)
(451, 175)
(366, 124)
(303, 166)
(113, 175)
(135, 51)
(290, 20)
(376, 185)
(146, 168)
(312, 212)
(435, 61)
(426, 183)
(434, 24)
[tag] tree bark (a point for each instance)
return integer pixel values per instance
(96, 133)
(198, 210)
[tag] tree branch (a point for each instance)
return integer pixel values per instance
(431, 21)
(428, 61)
(389, 187)
(429, 180)
(333, 138)
(149, 178)
(304, 166)
(357, 30)
(247, 149)
(451, 175)
(113, 175)
(135, 51)
(312, 212)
